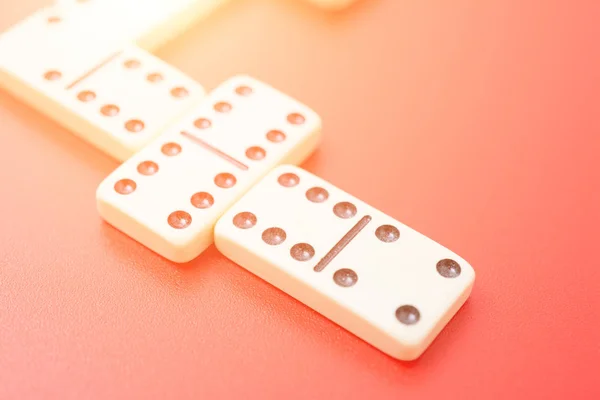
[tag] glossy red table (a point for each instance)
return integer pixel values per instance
(475, 122)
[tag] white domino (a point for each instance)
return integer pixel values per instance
(147, 23)
(381, 280)
(118, 97)
(169, 195)
(145, 94)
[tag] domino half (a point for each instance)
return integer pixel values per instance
(376, 277)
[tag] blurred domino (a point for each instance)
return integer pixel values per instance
(115, 96)
(374, 276)
(169, 195)
(332, 4)
(147, 23)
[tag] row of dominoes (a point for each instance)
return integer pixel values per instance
(219, 167)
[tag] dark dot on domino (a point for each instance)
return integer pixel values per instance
(147, 168)
(125, 186)
(222, 107)
(179, 219)
(134, 125)
(52, 75)
(344, 210)
(345, 277)
(275, 136)
(288, 180)
(448, 268)
(302, 252)
(132, 64)
(179, 92)
(155, 77)
(317, 194)
(408, 315)
(202, 123)
(256, 153)
(109, 110)
(274, 236)
(54, 19)
(86, 95)
(387, 233)
(170, 149)
(243, 90)
(296, 119)
(225, 180)
(244, 220)
(202, 200)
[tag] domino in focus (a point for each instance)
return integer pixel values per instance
(376, 277)
(169, 195)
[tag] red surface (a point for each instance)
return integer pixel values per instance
(475, 122)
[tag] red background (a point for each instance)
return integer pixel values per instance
(475, 122)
